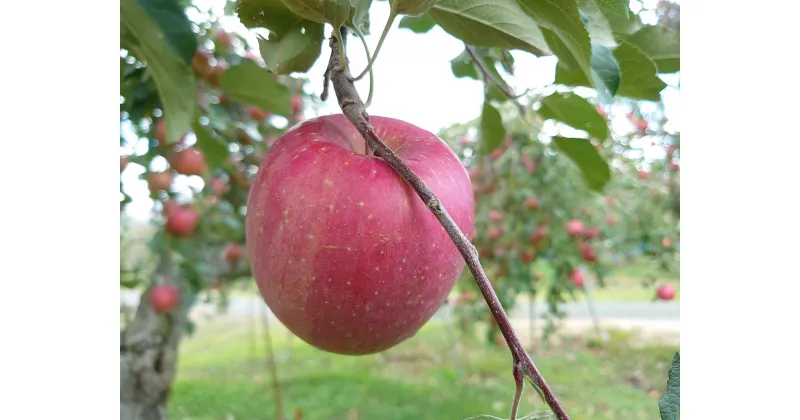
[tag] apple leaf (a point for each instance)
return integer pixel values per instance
(359, 15)
(669, 404)
(605, 74)
(593, 167)
(173, 77)
(599, 30)
(490, 23)
(250, 84)
(175, 25)
(418, 24)
(462, 66)
(296, 50)
(618, 15)
(215, 151)
(638, 74)
(564, 21)
(411, 7)
(536, 415)
(492, 131)
(334, 12)
(268, 14)
(661, 44)
(576, 112)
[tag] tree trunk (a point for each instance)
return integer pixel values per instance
(148, 356)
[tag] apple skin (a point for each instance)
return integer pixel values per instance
(344, 252)
(164, 298)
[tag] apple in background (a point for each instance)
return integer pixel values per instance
(257, 114)
(674, 166)
(160, 131)
(164, 298)
(200, 63)
(218, 186)
(499, 251)
(574, 228)
(611, 220)
(189, 161)
(169, 206)
(224, 38)
(539, 235)
(159, 181)
(666, 242)
(495, 216)
(609, 200)
(344, 252)
(532, 203)
(643, 175)
(496, 154)
(665, 292)
(588, 254)
(537, 276)
(181, 221)
(232, 252)
(494, 232)
(530, 164)
(527, 256)
(123, 162)
(591, 233)
(214, 74)
(297, 104)
(577, 277)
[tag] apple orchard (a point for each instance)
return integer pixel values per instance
(358, 228)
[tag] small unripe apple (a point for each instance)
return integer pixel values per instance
(159, 181)
(181, 221)
(574, 228)
(189, 161)
(164, 298)
(577, 277)
(666, 292)
(232, 252)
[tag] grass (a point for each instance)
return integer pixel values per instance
(222, 375)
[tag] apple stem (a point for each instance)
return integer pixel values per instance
(353, 108)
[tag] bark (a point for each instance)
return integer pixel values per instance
(148, 358)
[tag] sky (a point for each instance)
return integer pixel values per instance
(413, 83)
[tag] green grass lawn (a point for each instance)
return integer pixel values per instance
(223, 375)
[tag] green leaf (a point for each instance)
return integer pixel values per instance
(411, 7)
(594, 169)
(669, 405)
(638, 74)
(619, 16)
(214, 149)
(250, 84)
(605, 74)
(491, 131)
(334, 12)
(491, 23)
(418, 24)
(661, 44)
(599, 30)
(173, 77)
(462, 66)
(359, 15)
(575, 111)
(563, 19)
(295, 51)
(175, 25)
(269, 14)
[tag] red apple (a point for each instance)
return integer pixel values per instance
(577, 278)
(164, 298)
(587, 253)
(181, 221)
(532, 203)
(494, 232)
(574, 228)
(218, 186)
(189, 161)
(666, 292)
(160, 131)
(539, 235)
(344, 252)
(232, 252)
(666, 242)
(200, 63)
(159, 181)
(496, 154)
(297, 104)
(643, 175)
(591, 233)
(123, 162)
(257, 114)
(495, 216)
(611, 220)
(527, 256)
(674, 166)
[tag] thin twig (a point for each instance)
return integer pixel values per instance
(518, 380)
(353, 108)
(487, 75)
